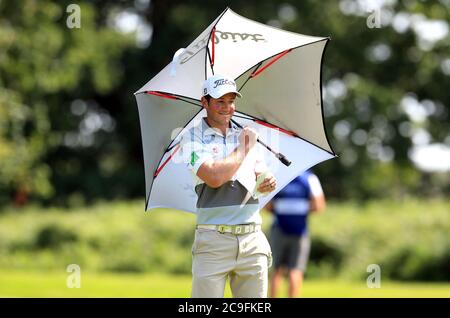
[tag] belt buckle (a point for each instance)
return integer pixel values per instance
(221, 229)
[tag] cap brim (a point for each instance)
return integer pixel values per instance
(220, 93)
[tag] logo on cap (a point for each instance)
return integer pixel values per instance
(221, 82)
(219, 85)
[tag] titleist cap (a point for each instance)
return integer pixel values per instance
(218, 85)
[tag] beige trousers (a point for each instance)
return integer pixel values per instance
(243, 259)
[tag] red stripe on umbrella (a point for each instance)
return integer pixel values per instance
(167, 160)
(276, 58)
(213, 45)
(291, 133)
(162, 95)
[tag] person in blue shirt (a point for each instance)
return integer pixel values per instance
(289, 238)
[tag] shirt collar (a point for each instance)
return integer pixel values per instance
(208, 130)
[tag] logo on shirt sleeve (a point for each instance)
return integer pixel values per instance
(194, 158)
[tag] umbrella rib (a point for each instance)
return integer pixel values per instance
(173, 146)
(213, 42)
(212, 55)
(287, 132)
(267, 124)
(277, 154)
(321, 101)
(189, 102)
(250, 76)
(210, 61)
(161, 94)
(264, 123)
(273, 60)
(173, 96)
(257, 72)
(209, 37)
(255, 119)
(167, 160)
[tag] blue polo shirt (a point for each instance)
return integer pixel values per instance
(291, 204)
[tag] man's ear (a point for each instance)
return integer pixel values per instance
(204, 102)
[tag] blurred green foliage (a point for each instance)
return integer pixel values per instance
(409, 241)
(69, 128)
(44, 66)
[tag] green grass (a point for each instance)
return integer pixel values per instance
(122, 251)
(53, 284)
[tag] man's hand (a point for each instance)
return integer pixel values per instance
(248, 138)
(269, 184)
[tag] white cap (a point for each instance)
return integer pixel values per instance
(218, 85)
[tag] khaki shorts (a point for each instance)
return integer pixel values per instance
(243, 259)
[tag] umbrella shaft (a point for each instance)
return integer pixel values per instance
(280, 156)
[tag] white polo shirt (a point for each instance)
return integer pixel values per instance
(233, 202)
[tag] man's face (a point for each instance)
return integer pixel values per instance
(220, 110)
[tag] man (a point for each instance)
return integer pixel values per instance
(228, 240)
(289, 236)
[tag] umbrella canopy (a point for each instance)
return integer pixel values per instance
(279, 76)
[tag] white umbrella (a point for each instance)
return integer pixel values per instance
(279, 74)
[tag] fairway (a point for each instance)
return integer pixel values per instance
(53, 284)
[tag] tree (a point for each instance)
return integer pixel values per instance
(45, 65)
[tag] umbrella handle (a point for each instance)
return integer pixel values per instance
(279, 155)
(284, 160)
